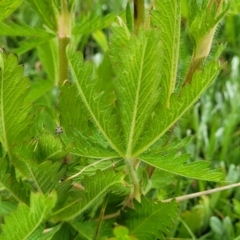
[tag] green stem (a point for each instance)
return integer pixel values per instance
(138, 14)
(101, 218)
(63, 61)
(134, 178)
(64, 35)
(194, 66)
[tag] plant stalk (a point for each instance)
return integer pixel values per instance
(138, 14)
(199, 194)
(101, 218)
(134, 178)
(64, 35)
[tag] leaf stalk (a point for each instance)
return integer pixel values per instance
(64, 36)
(139, 9)
(134, 178)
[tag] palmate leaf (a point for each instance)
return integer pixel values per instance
(137, 79)
(25, 222)
(13, 110)
(167, 17)
(95, 187)
(176, 164)
(149, 220)
(7, 7)
(164, 118)
(95, 101)
(12, 185)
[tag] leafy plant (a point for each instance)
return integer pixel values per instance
(113, 128)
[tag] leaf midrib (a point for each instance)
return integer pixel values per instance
(87, 203)
(93, 115)
(170, 123)
(37, 224)
(175, 54)
(175, 172)
(4, 141)
(133, 124)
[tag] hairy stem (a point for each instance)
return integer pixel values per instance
(134, 178)
(138, 14)
(64, 35)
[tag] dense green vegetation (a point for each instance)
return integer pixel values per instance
(112, 113)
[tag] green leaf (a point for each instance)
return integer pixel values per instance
(163, 118)
(23, 30)
(136, 69)
(76, 126)
(98, 107)
(65, 232)
(14, 120)
(149, 220)
(25, 46)
(42, 148)
(47, 11)
(46, 175)
(176, 164)
(101, 39)
(7, 206)
(90, 24)
(86, 229)
(122, 233)
(33, 151)
(7, 7)
(48, 147)
(48, 235)
(14, 187)
(90, 166)
(202, 24)
(48, 55)
(204, 17)
(167, 17)
(28, 219)
(38, 88)
(236, 204)
(129, 17)
(95, 187)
